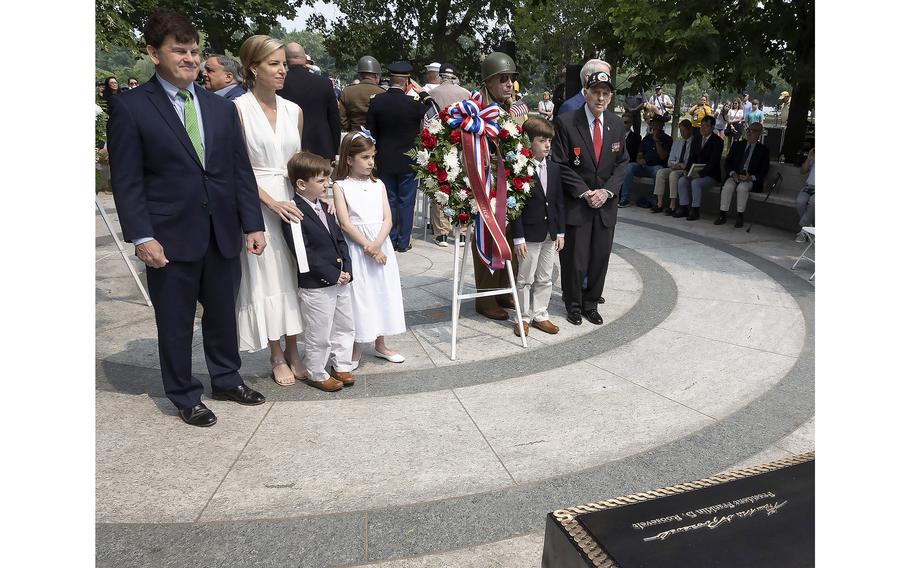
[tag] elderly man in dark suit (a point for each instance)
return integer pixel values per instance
(747, 165)
(185, 194)
(315, 95)
(221, 75)
(590, 151)
(394, 118)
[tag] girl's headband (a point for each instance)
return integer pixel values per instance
(364, 133)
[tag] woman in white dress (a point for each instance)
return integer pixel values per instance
(364, 215)
(267, 306)
(545, 107)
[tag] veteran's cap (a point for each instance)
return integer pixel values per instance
(447, 69)
(598, 78)
(400, 69)
(432, 67)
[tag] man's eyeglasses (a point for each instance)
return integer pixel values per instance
(506, 78)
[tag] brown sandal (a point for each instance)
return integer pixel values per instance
(284, 381)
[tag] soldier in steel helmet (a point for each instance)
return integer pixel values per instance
(498, 72)
(355, 99)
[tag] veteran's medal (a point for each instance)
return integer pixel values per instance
(577, 160)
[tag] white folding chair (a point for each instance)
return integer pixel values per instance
(810, 236)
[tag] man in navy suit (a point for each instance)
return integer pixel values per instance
(590, 150)
(539, 232)
(315, 95)
(185, 194)
(221, 75)
(578, 101)
(394, 118)
(747, 166)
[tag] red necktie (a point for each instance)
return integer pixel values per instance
(597, 140)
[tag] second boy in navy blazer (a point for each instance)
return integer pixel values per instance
(539, 232)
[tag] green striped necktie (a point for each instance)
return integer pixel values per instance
(191, 122)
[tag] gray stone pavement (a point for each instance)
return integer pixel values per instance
(705, 363)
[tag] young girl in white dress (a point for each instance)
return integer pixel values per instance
(363, 212)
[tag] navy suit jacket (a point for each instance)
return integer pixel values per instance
(572, 104)
(709, 151)
(572, 132)
(758, 163)
(326, 251)
(162, 190)
(235, 92)
(315, 96)
(394, 119)
(543, 214)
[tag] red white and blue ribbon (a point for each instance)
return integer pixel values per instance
(477, 123)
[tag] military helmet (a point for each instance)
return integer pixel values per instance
(495, 63)
(368, 64)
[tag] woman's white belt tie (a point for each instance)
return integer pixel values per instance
(270, 171)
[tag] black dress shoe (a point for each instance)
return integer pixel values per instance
(574, 318)
(601, 300)
(739, 221)
(669, 212)
(693, 214)
(722, 219)
(656, 209)
(199, 415)
(594, 317)
(681, 211)
(241, 394)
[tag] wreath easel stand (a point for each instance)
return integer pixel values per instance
(458, 285)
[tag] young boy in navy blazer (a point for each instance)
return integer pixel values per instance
(323, 274)
(539, 232)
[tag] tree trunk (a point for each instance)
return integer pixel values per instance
(677, 100)
(797, 120)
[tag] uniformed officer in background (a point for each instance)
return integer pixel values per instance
(443, 95)
(395, 118)
(355, 99)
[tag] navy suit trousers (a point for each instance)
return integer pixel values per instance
(213, 281)
(402, 193)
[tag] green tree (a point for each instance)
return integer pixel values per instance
(226, 24)
(418, 31)
(778, 35)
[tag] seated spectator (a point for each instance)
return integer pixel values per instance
(708, 154)
(653, 152)
(747, 165)
(756, 115)
(700, 111)
(805, 201)
(679, 156)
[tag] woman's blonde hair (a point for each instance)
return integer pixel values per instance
(253, 52)
(353, 143)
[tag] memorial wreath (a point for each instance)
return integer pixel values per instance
(468, 179)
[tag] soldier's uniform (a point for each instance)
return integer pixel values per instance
(355, 99)
(492, 306)
(394, 118)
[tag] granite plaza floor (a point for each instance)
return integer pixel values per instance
(705, 363)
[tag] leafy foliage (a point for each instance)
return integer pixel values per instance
(419, 31)
(226, 24)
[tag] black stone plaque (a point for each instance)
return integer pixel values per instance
(762, 521)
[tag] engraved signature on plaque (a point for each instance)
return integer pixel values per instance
(716, 520)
